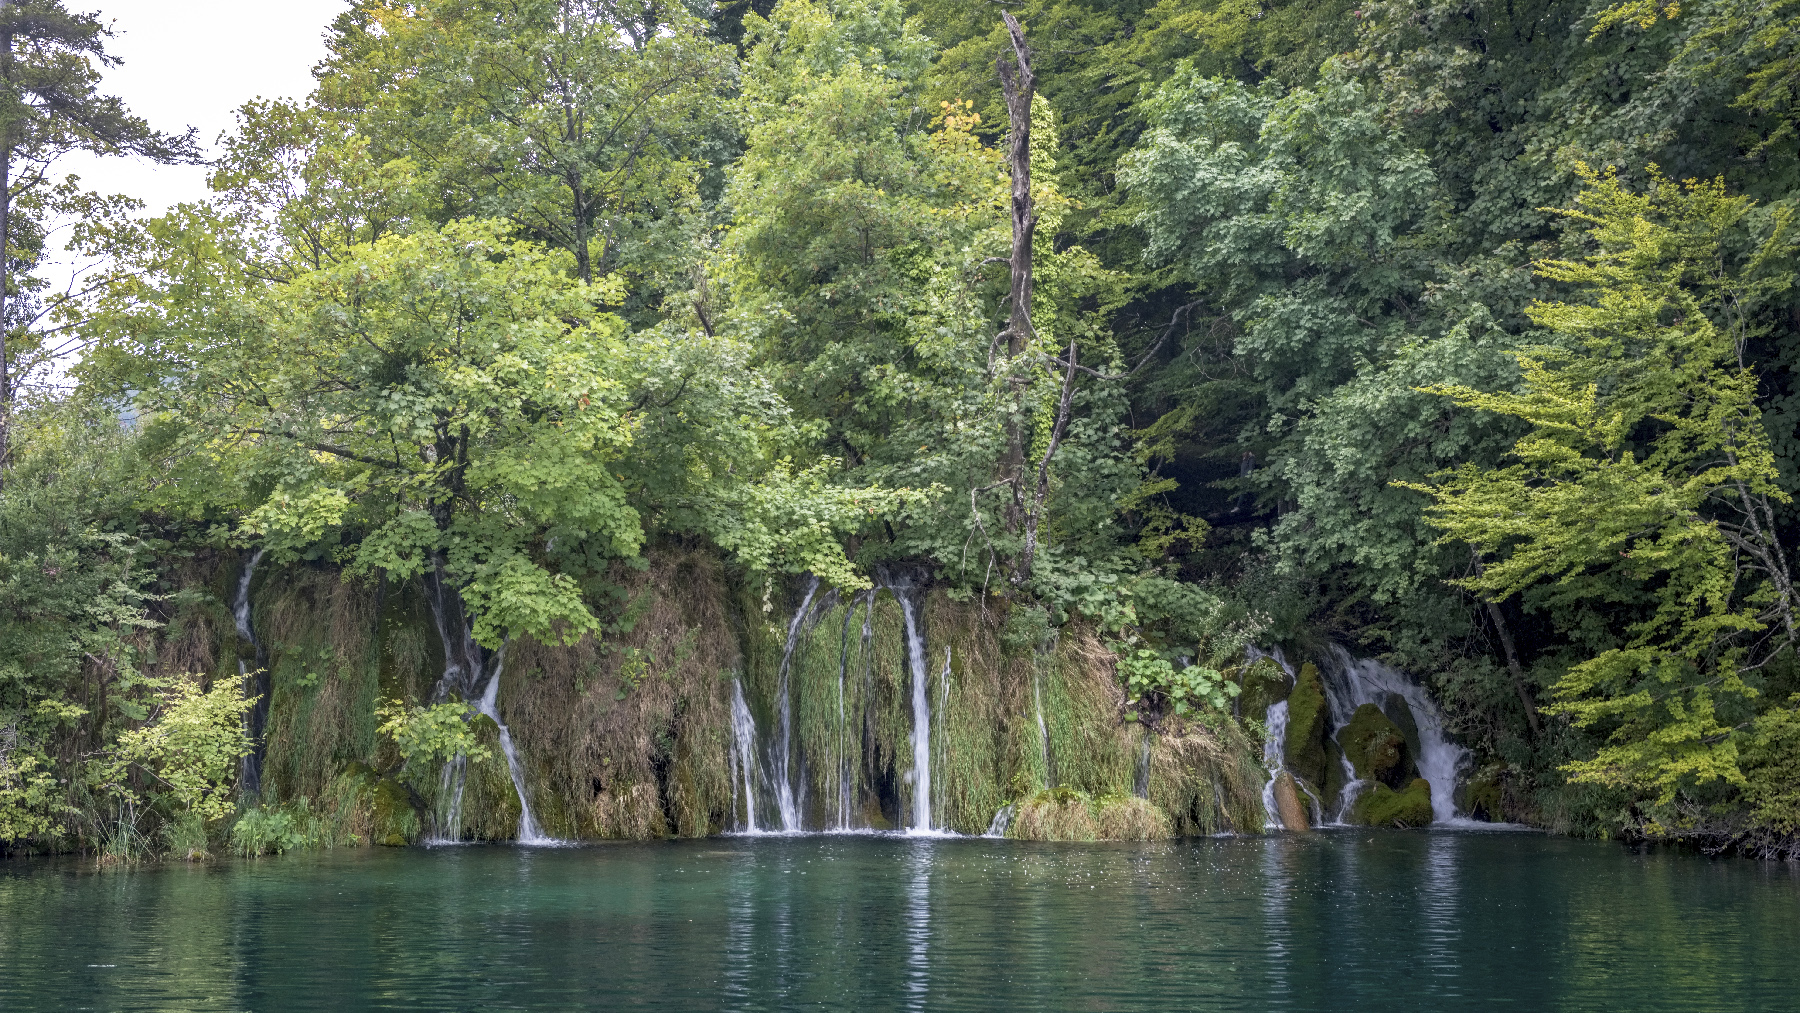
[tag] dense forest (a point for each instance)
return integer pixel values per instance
(650, 352)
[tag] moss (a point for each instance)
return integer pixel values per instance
(1056, 814)
(1308, 726)
(1376, 747)
(1129, 818)
(1484, 796)
(393, 822)
(1381, 806)
(1264, 684)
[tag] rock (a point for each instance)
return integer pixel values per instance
(393, 820)
(1264, 684)
(1376, 747)
(1484, 797)
(1288, 804)
(1381, 806)
(1308, 727)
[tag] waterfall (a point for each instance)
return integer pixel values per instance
(921, 701)
(1037, 701)
(528, 827)
(253, 682)
(1351, 682)
(743, 755)
(1141, 785)
(843, 728)
(450, 795)
(1002, 821)
(1275, 759)
(786, 799)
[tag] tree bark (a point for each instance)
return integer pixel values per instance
(1512, 654)
(1019, 85)
(6, 153)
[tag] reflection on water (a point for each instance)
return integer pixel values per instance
(1348, 920)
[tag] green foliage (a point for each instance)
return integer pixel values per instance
(271, 830)
(432, 734)
(189, 750)
(1645, 476)
(31, 798)
(1147, 675)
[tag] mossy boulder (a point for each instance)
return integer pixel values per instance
(1484, 796)
(1309, 725)
(1376, 747)
(1381, 806)
(393, 820)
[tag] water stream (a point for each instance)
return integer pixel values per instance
(787, 799)
(529, 832)
(744, 768)
(1275, 760)
(254, 681)
(921, 708)
(1351, 682)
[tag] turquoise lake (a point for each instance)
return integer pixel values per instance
(1340, 920)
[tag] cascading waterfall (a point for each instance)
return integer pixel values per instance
(529, 833)
(743, 755)
(943, 711)
(1275, 760)
(787, 799)
(1351, 682)
(921, 703)
(250, 770)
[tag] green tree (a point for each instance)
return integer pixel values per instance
(1645, 480)
(50, 105)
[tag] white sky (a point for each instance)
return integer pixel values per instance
(190, 63)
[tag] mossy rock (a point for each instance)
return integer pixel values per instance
(394, 821)
(1484, 796)
(1381, 806)
(1333, 788)
(1308, 726)
(1376, 747)
(1264, 684)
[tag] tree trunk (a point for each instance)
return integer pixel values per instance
(1512, 654)
(1019, 85)
(6, 153)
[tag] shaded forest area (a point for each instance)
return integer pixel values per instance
(1460, 334)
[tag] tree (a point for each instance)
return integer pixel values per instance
(1645, 481)
(50, 105)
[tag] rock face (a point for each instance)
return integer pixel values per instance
(1288, 804)
(1376, 747)
(1309, 726)
(1381, 806)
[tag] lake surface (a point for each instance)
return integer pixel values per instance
(1332, 921)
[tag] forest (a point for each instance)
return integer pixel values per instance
(928, 414)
